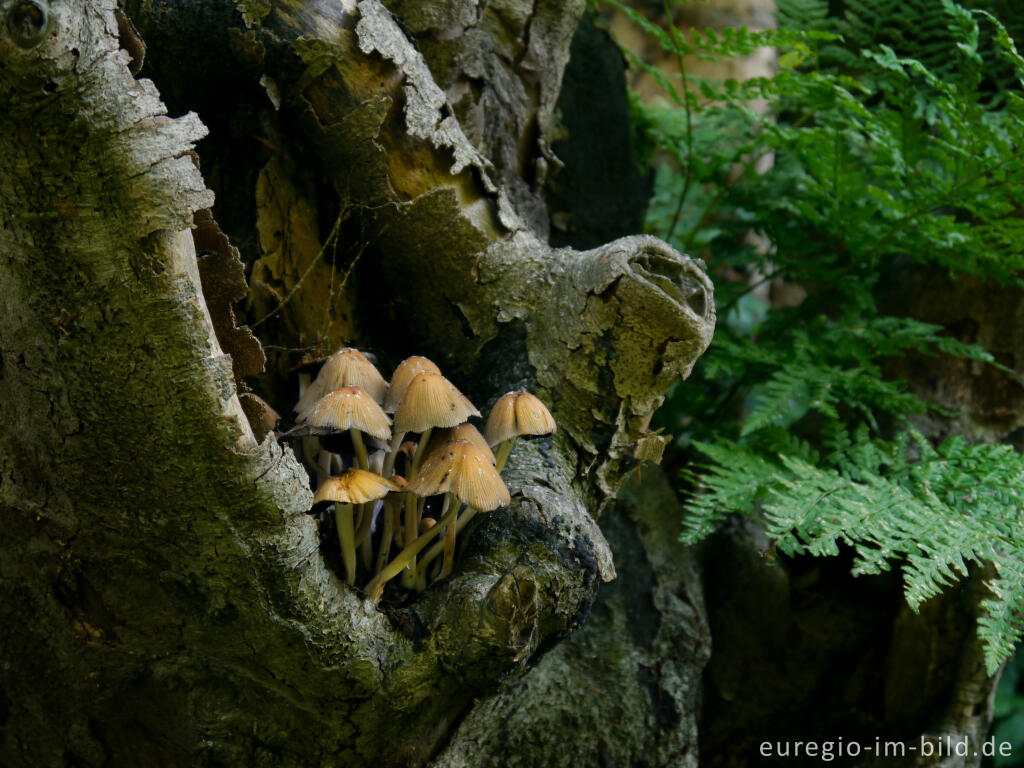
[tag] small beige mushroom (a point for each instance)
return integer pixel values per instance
(463, 473)
(406, 371)
(352, 409)
(447, 547)
(516, 414)
(465, 432)
(432, 401)
(429, 401)
(356, 486)
(345, 368)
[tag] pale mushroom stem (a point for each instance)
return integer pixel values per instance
(360, 449)
(365, 516)
(449, 551)
(423, 564)
(412, 508)
(435, 551)
(389, 460)
(421, 451)
(412, 527)
(346, 535)
(323, 466)
(311, 453)
(391, 511)
(408, 555)
(502, 454)
(421, 504)
(363, 534)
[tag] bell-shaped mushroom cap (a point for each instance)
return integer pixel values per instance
(356, 486)
(348, 408)
(466, 432)
(347, 367)
(460, 468)
(432, 401)
(515, 414)
(406, 371)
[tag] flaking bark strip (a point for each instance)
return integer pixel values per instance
(424, 102)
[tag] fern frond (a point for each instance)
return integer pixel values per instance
(733, 481)
(896, 131)
(930, 510)
(1001, 624)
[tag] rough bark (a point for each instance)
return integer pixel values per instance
(625, 688)
(171, 602)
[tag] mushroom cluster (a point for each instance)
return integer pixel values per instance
(382, 486)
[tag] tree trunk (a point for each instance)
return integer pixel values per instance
(387, 177)
(164, 589)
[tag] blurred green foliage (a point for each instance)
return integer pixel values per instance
(895, 142)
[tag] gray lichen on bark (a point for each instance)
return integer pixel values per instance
(424, 101)
(501, 66)
(607, 331)
(378, 33)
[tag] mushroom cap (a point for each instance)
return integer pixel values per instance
(515, 414)
(406, 371)
(432, 401)
(462, 469)
(356, 486)
(346, 367)
(467, 432)
(348, 408)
